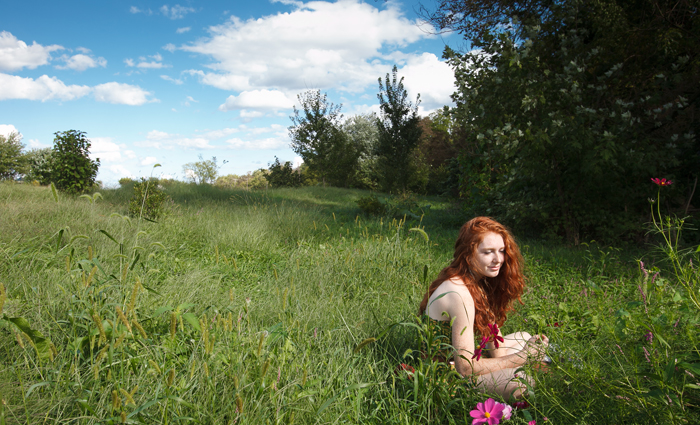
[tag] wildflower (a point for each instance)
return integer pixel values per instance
(507, 411)
(480, 347)
(532, 423)
(494, 333)
(405, 367)
(649, 336)
(646, 354)
(489, 412)
(661, 182)
(521, 404)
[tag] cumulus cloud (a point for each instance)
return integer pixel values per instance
(259, 144)
(121, 171)
(432, 78)
(120, 93)
(182, 30)
(149, 160)
(162, 140)
(175, 12)
(134, 10)
(43, 88)
(7, 129)
(16, 54)
(105, 149)
(81, 62)
(266, 100)
(319, 44)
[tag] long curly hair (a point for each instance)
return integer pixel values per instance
(493, 297)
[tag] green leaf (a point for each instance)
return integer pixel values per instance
(43, 345)
(35, 386)
(328, 402)
(421, 231)
(108, 235)
(192, 320)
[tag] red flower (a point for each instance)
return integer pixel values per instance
(480, 347)
(405, 368)
(661, 182)
(521, 404)
(494, 332)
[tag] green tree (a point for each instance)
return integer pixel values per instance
(72, 169)
(399, 133)
(362, 131)
(316, 137)
(39, 165)
(566, 120)
(202, 171)
(283, 175)
(12, 161)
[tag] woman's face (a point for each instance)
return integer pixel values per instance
(490, 255)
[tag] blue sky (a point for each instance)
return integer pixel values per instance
(155, 82)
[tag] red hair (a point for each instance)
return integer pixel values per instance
(497, 294)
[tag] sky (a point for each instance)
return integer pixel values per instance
(163, 83)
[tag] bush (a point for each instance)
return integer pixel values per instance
(12, 162)
(283, 175)
(73, 170)
(40, 165)
(126, 182)
(401, 206)
(372, 205)
(153, 206)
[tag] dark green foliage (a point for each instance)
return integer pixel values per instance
(372, 205)
(126, 182)
(399, 133)
(73, 171)
(317, 138)
(12, 162)
(402, 206)
(148, 200)
(283, 175)
(39, 165)
(567, 120)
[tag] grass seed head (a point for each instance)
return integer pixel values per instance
(127, 396)
(171, 377)
(122, 416)
(3, 296)
(116, 402)
(139, 328)
(123, 319)
(173, 325)
(155, 366)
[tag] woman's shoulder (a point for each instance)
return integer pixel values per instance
(454, 284)
(452, 293)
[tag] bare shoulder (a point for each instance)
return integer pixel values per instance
(448, 298)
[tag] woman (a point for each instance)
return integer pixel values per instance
(476, 291)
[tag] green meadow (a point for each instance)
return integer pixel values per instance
(290, 306)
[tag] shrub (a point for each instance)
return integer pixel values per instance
(12, 162)
(73, 170)
(148, 199)
(372, 205)
(40, 165)
(283, 175)
(126, 181)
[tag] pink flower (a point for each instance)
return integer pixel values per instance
(489, 412)
(661, 182)
(494, 333)
(532, 423)
(507, 411)
(480, 347)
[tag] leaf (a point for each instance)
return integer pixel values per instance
(328, 402)
(77, 237)
(136, 260)
(54, 192)
(43, 345)
(35, 386)
(364, 343)
(108, 235)
(161, 311)
(192, 320)
(691, 367)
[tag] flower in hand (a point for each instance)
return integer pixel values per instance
(480, 347)
(494, 332)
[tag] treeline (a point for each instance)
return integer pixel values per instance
(564, 113)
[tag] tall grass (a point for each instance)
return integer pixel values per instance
(287, 306)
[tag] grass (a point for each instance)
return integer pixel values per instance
(288, 306)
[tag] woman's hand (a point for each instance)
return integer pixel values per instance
(535, 348)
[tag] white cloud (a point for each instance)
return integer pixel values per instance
(43, 88)
(81, 62)
(297, 161)
(157, 135)
(35, 144)
(251, 114)
(430, 77)
(175, 12)
(171, 79)
(170, 47)
(135, 10)
(121, 171)
(7, 129)
(149, 160)
(105, 149)
(144, 63)
(266, 100)
(259, 144)
(162, 140)
(16, 54)
(182, 30)
(124, 94)
(319, 44)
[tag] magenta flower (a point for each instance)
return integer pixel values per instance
(521, 404)
(494, 333)
(661, 182)
(507, 411)
(489, 412)
(532, 423)
(480, 347)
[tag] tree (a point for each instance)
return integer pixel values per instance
(202, 171)
(362, 131)
(399, 133)
(283, 175)
(567, 119)
(72, 169)
(12, 162)
(39, 165)
(317, 138)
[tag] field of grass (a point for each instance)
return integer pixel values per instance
(289, 306)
